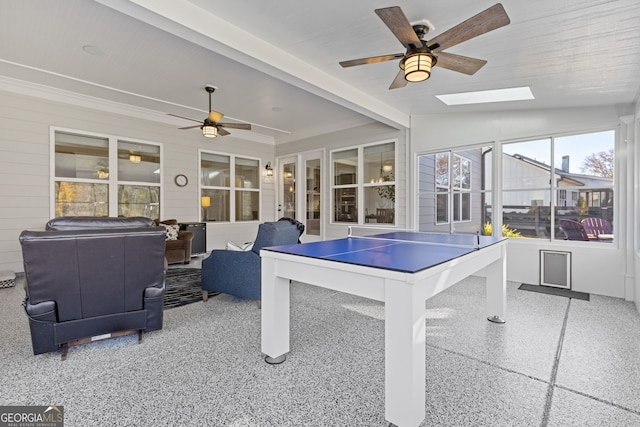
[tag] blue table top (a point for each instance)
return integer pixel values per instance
(397, 251)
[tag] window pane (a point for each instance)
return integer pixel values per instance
(379, 163)
(313, 223)
(79, 156)
(81, 199)
(345, 203)
(526, 165)
(247, 173)
(138, 162)
(139, 200)
(442, 170)
(466, 206)
(215, 170)
(379, 204)
(289, 190)
(345, 167)
(527, 212)
(442, 208)
(247, 205)
(219, 205)
(585, 171)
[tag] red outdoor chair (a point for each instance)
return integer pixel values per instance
(596, 227)
(573, 230)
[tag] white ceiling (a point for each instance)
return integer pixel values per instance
(276, 63)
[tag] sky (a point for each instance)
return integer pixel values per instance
(577, 147)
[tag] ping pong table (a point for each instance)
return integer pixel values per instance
(402, 269)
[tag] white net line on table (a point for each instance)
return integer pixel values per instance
(370, 232)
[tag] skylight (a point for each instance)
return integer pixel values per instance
(485, 96)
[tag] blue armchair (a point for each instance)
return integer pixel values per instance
(238, 273)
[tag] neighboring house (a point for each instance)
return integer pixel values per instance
(526, 195)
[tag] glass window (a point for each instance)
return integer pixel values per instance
(452, 192)
(371, 190)
(138, 162)
(230, 188)
(215, 170)
(80, 156)
(247, 173)
(578, 188)
(345, 202)
(83, 176)
(81, 199)
(215, 205)
(139, 200)
(345, 167)
(289, 176)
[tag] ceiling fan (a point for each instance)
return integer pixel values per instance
(421, 55)
(211, 126)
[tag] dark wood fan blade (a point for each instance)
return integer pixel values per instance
(488, 20)
(459, 63)
(371, 60)
(400, 26)
(399, 81)
(186, 118)
(244, 126)
(191, 127)
(222, 132)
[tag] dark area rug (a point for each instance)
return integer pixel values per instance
(183, 287)
(555, 291)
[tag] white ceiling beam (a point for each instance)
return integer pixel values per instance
(188, 21)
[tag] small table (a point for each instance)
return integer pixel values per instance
(401, 269)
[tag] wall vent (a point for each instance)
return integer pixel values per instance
(555, 269)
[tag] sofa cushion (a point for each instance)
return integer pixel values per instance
(65, 223)
(172, 231)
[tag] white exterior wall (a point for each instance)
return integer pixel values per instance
(598, 268)
(25, 178)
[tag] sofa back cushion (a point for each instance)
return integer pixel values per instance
(97, 223)
(92, 273)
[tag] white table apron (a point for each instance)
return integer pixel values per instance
(404, 295)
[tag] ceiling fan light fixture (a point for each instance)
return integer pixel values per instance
(417, 66)
(209, 131)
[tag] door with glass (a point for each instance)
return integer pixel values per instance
(299, 192)
(312, 195)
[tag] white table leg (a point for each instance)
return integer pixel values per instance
(405, 369)
(496, 274)
(274, 312)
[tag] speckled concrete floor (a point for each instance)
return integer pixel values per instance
(556, 362)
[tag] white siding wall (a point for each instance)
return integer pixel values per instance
(25, 179)
(597, 268)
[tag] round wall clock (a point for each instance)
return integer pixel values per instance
(181, 180)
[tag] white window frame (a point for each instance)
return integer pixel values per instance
(112, 181)
(232, 188)
(360, 185)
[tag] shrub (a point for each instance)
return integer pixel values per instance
(487, 230)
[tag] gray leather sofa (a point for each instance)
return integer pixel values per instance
(92, 277)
